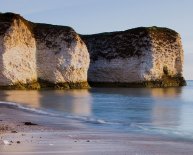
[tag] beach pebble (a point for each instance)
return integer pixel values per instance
(6, 142)
(18, 142)
(29, 123)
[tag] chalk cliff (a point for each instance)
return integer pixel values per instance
(17, 51)
(139, 57)
(37, 56)
(62, 56)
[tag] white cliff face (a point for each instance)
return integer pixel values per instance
(167, 58)
(46, 53)
(32, 52)
(17, 55)
(117, 70)
(135, 56)
(61, 55)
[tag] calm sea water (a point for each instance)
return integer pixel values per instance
(166, 111)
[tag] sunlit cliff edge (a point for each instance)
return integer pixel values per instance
(37, 56)
(34, 56)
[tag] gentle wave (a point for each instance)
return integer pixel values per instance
(147, 128)
(44, 112)
(89, 119)
(25, 108)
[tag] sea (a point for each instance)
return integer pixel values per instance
(154, 111)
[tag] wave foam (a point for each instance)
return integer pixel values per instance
(22, 107)
(44, 112)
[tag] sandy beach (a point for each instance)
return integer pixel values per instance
(96, 77)
(30, 133)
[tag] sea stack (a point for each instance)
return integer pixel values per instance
(139, 57)
(34, 56)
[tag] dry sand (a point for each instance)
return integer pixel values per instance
(57, 136)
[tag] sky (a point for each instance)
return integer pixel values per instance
(95, 16)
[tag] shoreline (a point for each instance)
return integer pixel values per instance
(54, 135)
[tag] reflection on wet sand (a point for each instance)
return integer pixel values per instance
(159, 108)
(31, 98)
(73, 101)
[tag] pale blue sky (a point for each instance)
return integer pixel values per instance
(94, 16)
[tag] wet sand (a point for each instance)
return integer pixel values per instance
(56, 136)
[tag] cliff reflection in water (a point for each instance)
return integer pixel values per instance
(73, 101)
(154, 108)
(126, 108)
(166, 111)
(174, 110)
